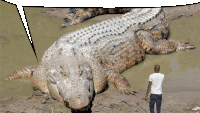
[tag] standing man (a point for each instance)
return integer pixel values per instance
(155, 85)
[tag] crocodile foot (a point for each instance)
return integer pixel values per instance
(127, 90)
(189, 46)
(119, 81)
(184, 46)
(123, 86)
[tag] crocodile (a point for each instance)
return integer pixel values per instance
(79, 64)
(77, 15)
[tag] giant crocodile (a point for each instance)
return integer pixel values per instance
(78, 65)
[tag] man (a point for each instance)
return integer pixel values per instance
(155, 85)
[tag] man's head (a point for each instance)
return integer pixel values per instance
(157, 68)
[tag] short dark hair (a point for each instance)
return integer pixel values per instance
(157, 68)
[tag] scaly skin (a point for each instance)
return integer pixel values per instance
(81, 62)
(77, 15)
(26, 72)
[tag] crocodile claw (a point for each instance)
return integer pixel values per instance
(128, 91)
(184, 45)
(188, 46)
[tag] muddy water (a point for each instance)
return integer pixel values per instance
(185, 65)
(180, 68)
(15, 51)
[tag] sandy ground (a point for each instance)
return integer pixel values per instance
(108, 102)
(112, 100)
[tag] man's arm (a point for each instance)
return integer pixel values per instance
(148, 90)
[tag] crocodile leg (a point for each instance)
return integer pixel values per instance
(39, 79)
(119, 81)
(78, 15)
(151, 46)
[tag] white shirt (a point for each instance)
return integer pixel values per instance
(156, 79)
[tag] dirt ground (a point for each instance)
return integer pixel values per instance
(112, 101)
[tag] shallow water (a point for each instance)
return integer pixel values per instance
(15, 51)
(181, 69)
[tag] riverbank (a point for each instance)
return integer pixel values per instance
(112, 100)
(171, 12)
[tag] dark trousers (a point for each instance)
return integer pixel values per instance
(155, 98)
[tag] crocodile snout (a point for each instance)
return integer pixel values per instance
(78, 103)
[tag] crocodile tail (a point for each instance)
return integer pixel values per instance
(77, 15)
(118, 10)
(25, 72)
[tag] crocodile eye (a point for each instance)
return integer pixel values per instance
(80, 70)
(64, 74)
(51, 79)
(89, 88)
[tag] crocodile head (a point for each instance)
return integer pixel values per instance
(72, 84)
(181, 46)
